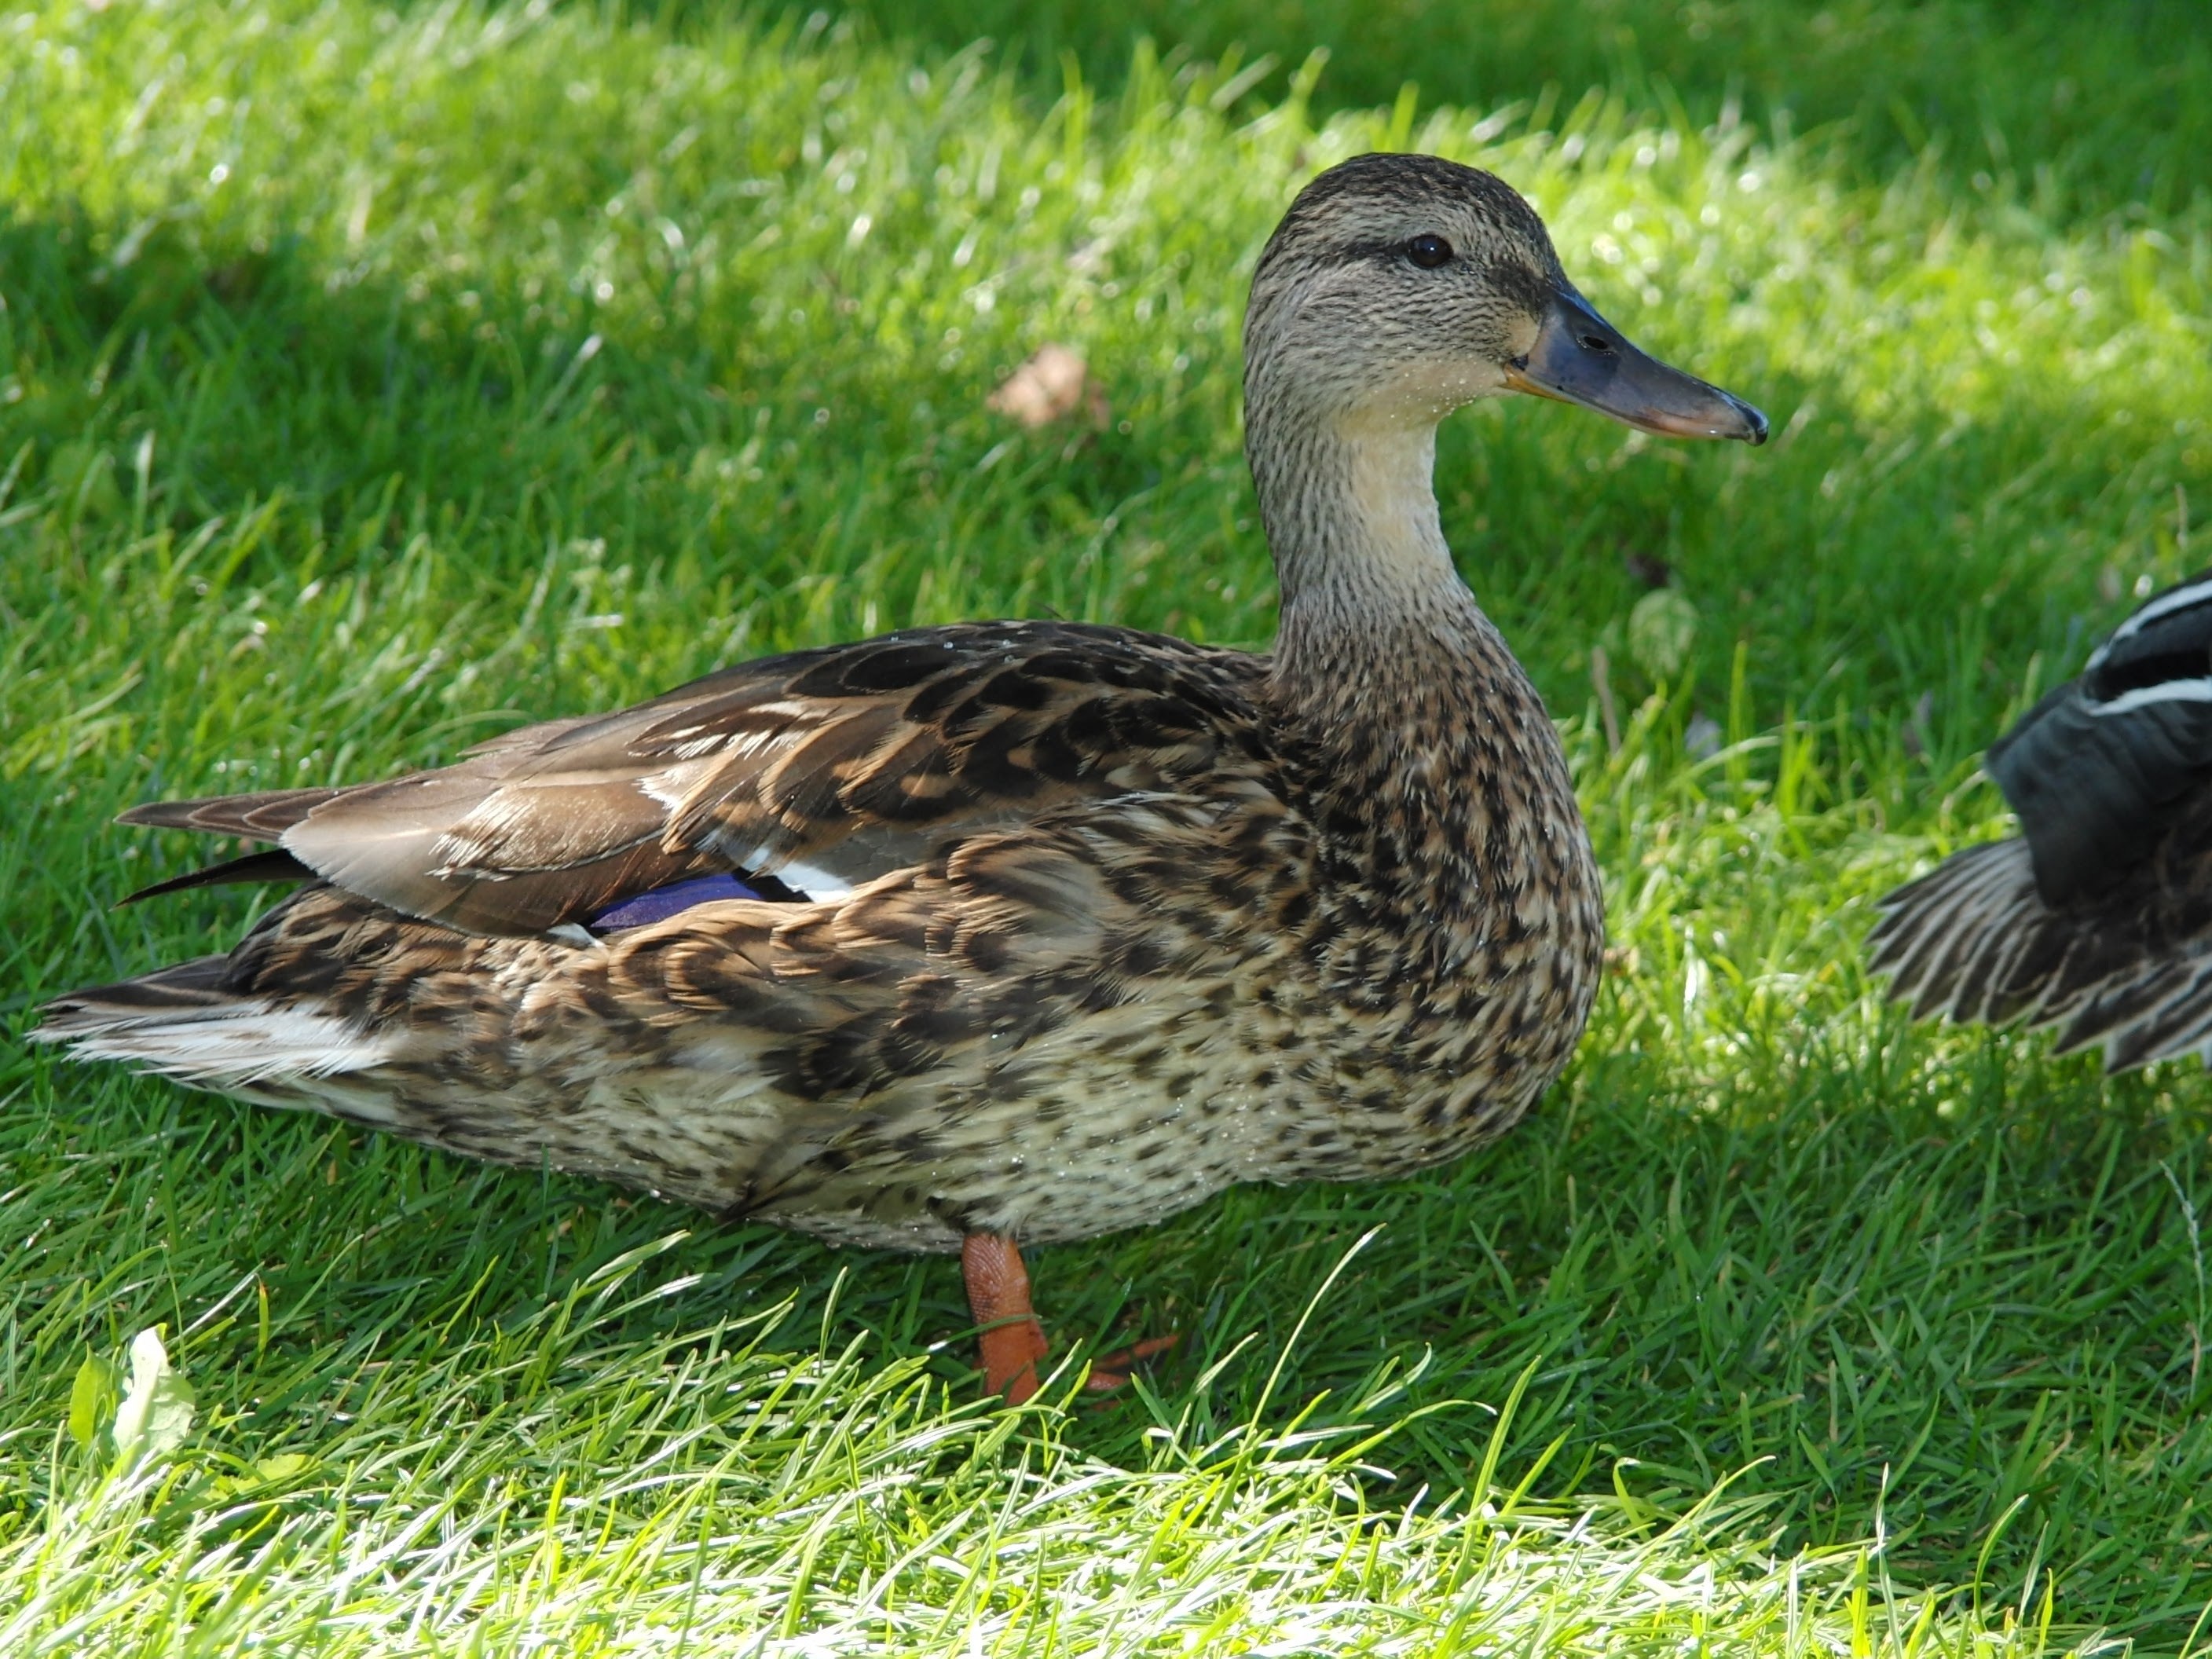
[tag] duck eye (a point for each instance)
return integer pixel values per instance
(1428, 251)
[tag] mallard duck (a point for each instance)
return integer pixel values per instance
(972, 938)
(2097, 917)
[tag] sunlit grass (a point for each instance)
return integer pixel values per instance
(368, 381)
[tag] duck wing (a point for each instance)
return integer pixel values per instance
(819, 769)
(2101, 769)
(2130, 967)
(2098, 918)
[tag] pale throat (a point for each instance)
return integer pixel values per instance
(1385, 665)
(1351, 508)
(1391, 462)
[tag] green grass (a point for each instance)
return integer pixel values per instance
(371, 379)
(2098, 103)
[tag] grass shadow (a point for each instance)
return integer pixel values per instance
(2058, 97)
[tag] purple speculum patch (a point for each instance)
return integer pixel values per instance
(663, 902)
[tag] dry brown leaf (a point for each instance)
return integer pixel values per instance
(1055, 383)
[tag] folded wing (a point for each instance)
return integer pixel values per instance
(822, 769)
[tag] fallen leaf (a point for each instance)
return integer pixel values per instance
(1601, 683)
(93, 1396)
(1918, 739)
(1053, 384)
(156, 1414)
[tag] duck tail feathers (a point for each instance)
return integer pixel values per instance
(185, 1023)
(264, 816)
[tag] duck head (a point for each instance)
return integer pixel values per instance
(1398, 288)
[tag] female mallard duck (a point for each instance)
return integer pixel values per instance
(1006, 931)
(2097, 918)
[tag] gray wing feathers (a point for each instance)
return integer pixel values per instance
(1950, 940)
(1974, 942)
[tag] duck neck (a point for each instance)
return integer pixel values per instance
(1371, 600)
(1432, 773)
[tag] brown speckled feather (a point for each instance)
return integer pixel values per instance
(1087, 1019)
(823, 768)
(1071, 926)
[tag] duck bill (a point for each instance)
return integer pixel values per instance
(1581, 358)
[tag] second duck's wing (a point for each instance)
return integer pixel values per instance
(820, 769)
(2099, 919)
(2103, 766)
(2131, 968)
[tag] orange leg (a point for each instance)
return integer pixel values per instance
(1013, 1342)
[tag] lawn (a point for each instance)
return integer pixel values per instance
(371, 379)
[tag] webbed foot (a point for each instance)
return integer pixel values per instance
(1112, 1370)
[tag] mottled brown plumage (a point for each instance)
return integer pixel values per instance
(1068, 927)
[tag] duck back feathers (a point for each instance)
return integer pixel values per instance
(2097, 918)
(820, 769)
(2099, 770)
